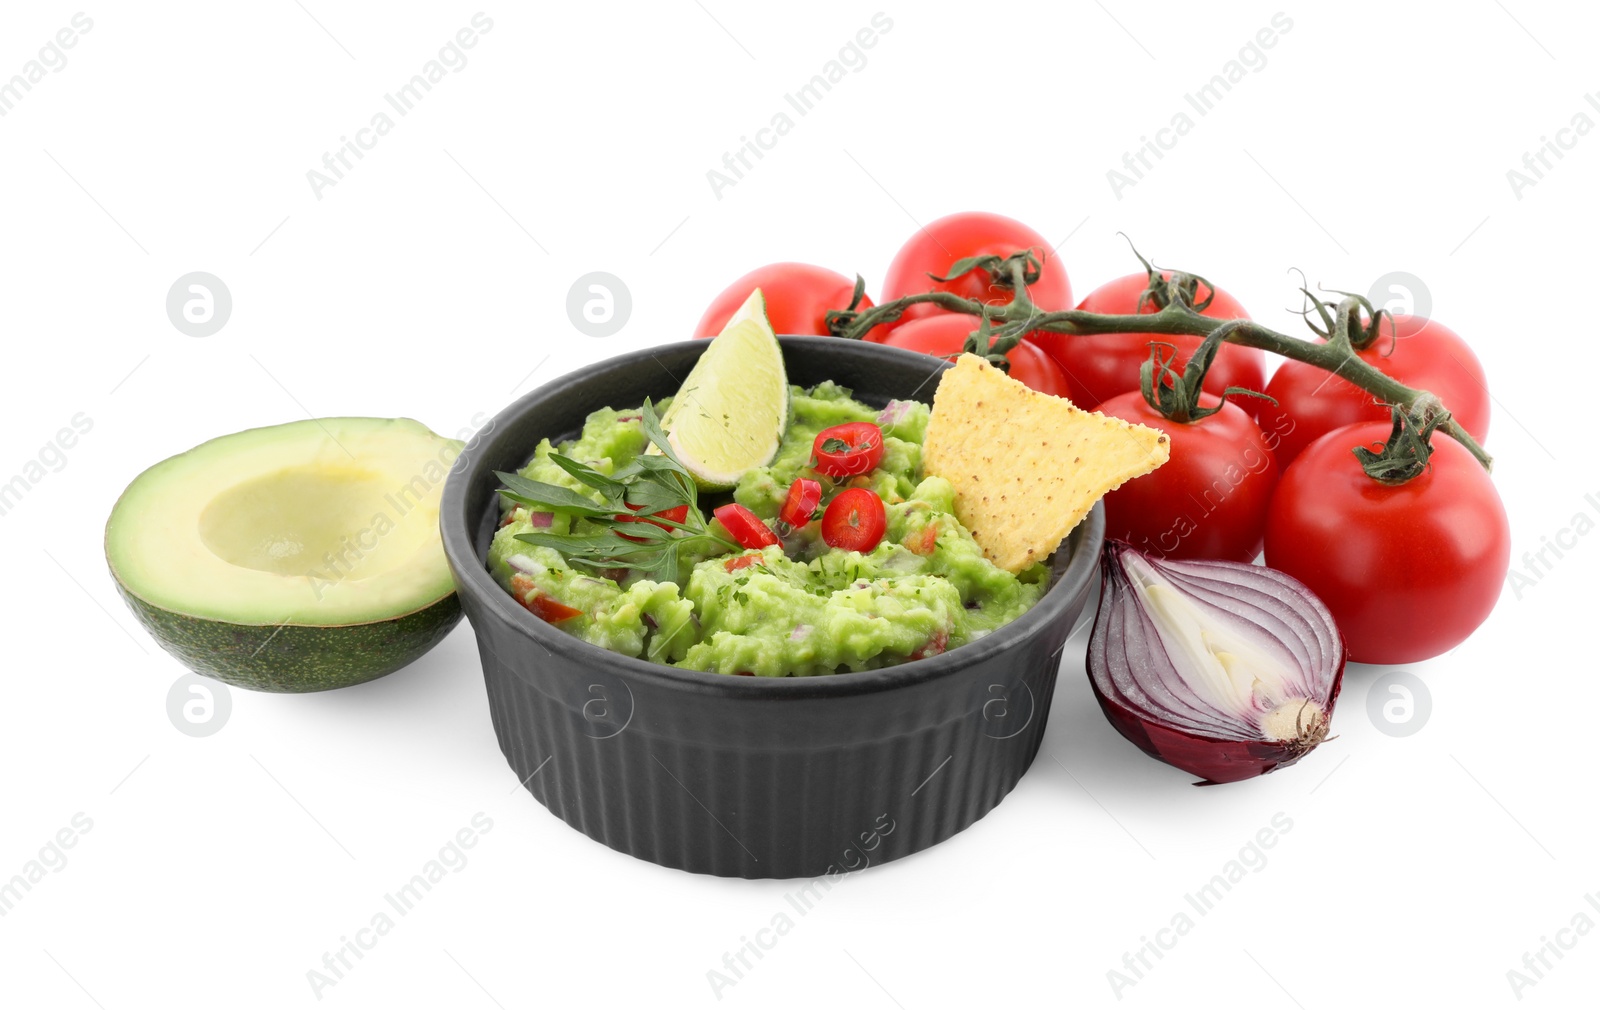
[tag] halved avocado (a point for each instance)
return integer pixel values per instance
(297, 557)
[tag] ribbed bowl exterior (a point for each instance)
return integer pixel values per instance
(750, 776)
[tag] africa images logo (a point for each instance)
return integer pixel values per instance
(451, 59)
(52, 58)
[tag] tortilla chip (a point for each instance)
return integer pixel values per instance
(1027, 466)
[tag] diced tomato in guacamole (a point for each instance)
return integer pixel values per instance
(800, 608)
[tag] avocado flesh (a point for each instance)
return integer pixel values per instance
(297, 557)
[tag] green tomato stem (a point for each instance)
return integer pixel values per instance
(1019, 316)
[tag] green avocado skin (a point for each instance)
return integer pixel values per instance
(295, 659)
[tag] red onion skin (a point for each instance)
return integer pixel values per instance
(1215, 761)
(540, 520)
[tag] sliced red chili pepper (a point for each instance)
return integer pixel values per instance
(804, 497)
(854, 520)
(676, 515)
(845, 450)
(745, 526)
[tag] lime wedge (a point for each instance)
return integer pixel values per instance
(732, 410)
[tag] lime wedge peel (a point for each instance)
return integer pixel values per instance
(732, 410)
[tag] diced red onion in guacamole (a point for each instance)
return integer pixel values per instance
(894, 413)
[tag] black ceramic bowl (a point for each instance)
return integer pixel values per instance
(751, 776)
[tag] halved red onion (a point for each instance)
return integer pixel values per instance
(1225, 670)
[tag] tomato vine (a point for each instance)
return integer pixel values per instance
(1346, 325)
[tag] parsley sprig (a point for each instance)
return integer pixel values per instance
(650, 484)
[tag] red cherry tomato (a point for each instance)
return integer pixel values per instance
(1107, 364)
(854, 520)
(799, 297)
(804, 497)
(936, 248)
(1419, 352)
(1408, 570)
(846, 450)
(745, 526)
(924, 543)
(944, 335)
(1209, 500)
(737, 562)
(676, 515)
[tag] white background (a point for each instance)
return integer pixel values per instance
(433, 278)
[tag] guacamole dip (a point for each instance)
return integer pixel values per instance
(794, 608)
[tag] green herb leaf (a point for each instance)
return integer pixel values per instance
(649, 484)
(647, 464)
(583, 473)
(575, 545)
(640, 531)
(652, 430)
(648, 497)
(549, 497)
